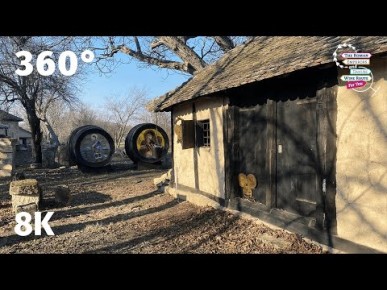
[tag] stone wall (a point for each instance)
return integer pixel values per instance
(7, 161)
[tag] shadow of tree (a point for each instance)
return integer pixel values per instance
(73, 212)
(171, 232)
(80, 198)
(62, 229)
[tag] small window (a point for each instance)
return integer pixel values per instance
(203, 133)
(201, 130)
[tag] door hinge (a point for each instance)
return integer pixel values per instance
(324, 221)
(324, 185)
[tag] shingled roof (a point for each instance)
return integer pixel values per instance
(5, 116)
(263, 58)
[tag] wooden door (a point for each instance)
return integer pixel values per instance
(297, 156)
(252, 147)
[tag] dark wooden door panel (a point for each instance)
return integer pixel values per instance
(252, 151)
(297, 156)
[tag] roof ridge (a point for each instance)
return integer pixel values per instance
(4, 115)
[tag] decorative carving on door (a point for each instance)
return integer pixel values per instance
(247, 183)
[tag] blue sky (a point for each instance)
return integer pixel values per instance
(98, 86)
(133, 73)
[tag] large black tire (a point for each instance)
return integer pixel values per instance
(81, 155)
(71, 144)
(131, 143)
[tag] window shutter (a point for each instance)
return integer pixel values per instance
(188, 134)
(199, 134)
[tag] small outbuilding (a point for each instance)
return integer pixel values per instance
(275, 130)
(9, 126)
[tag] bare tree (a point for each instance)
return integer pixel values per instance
(65, 117)
(122, 110)
(34, 92)
(60, 93)
(5, 106)
(162, 119)
(84, 115)
(186, 54)
(60, 118)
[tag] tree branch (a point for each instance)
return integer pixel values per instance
(151, 60)
(172, 52)
(224, 42)
(138, 46)
(156, 43)
(187, 54)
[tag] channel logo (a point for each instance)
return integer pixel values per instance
(360, 78)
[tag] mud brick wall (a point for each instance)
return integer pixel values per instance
(361, 196)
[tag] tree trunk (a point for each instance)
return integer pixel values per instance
(36, 132)
(54, 140)
(50, 150)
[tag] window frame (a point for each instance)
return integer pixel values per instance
(203, 135)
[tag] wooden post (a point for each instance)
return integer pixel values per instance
(271, 165)
(172, 181)
(226, 151)
(195, 149)
(231, 144)
(321, 156)
(326, 141)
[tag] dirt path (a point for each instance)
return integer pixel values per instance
(119, 212)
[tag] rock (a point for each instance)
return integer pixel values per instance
(163, 179)
(161, 189)
(31, 208)
(169, 174)
(25, 192)
(24, 200)
(6, 170)
(35, 165)
(7, 151)
(18, 176)
(5, 155)
(24, 187)
(62, 195)
(6, 145)
(135, 208)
